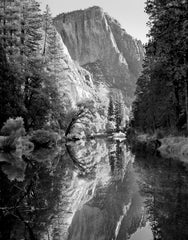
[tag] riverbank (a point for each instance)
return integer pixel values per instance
(170, 146)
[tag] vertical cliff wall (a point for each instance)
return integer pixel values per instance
(74, 83)
(99, 44)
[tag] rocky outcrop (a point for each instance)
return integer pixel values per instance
(74, 82)
(99, 44)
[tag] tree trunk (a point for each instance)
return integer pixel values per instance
(45, 42)
(186, 85)
(186, 104)
(70, 126)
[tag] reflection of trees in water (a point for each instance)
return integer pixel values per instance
(164, 184)
(87, 155)
(27, 208)
(45, 202)
(116, 202)
(116, 158)
(13, 166)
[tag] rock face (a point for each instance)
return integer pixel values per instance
(99, 44)
(75, 83)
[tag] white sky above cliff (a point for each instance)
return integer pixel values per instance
(130, 13)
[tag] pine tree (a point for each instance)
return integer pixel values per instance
(48, 30)
(32, 87)
(9, 25)
(50, 44)
(161, 96)
(36, 95)
(11, 97)
(111, 109)
(3, 21)
(31, 34)
(118, 114)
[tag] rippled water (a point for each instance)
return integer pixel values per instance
(97, 190)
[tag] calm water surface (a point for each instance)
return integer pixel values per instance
(96, 190)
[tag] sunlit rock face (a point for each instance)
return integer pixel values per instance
(74, 82)
(99, 44)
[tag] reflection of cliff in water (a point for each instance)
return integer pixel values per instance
(113, 213)
(86, 192)
(92, 190)
(112, 196)
(101, 180)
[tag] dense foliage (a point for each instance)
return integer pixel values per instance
(27, 43)
(161, 94)
(116, 113)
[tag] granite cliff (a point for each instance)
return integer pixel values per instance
(99, 44)
(74, 83)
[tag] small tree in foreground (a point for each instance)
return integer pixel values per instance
(84, 112)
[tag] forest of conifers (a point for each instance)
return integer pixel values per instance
(161, 94)
(27, 44)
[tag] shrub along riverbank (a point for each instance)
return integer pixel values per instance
(14, 138)
(166, 145)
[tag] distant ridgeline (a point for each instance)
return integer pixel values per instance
(62, 62)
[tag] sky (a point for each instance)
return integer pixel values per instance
(129, 13)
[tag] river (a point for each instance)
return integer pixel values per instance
(94, 190)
